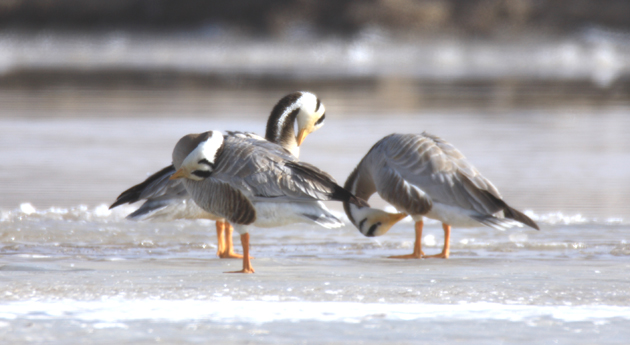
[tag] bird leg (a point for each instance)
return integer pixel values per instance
(247, 265)
(220, 240)
(417, 248)
(447, 243)
(228, 246)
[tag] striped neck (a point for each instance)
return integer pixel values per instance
(280, 125)
(362, 186)
(370, 221)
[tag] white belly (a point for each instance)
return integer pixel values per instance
(276, 214)
(451, 215)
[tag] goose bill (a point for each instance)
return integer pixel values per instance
(181, 173)
(302, 135)
(388, 221)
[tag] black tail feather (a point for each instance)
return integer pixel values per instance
(338, 193)
(518, 216)
(511, 213)
(134, 193)
(147, 208)
(342, 194)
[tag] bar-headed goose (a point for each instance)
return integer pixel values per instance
(422, 175)
(168, 199)
(251, 182)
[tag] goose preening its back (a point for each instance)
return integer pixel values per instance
(251, 182)
(422, 175)
(168, 199)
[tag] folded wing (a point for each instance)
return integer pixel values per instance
(418, 170)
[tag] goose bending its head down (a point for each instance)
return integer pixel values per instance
(251, 182)
(303, 108)
(422, 175)
(168, 199)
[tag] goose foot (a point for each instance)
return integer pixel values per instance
(438, 256)
(247, 265)
(413, 255)
(417, 247)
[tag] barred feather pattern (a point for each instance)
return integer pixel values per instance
(416, 172)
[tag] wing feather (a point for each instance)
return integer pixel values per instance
(420, 169)
(155, 185)
(163, 195)
(263, 170)
(393, 188)
(220, 198)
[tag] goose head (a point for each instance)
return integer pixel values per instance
(311, 116)
(195, 155)
(372, 221)
(303, 108)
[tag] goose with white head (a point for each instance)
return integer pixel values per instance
(301, 107)
(167, 199)
(422, 175)
(251, 183)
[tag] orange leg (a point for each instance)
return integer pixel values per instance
(447, 243)
(417, 248)
(228, 246)
(247, 265)
(220, 240)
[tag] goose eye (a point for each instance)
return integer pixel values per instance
(321, 119)
(202, 173)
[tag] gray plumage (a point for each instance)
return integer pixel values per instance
(248, 174)
(416, 172)
(168, 199)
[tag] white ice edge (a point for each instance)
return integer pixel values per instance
(114, 310)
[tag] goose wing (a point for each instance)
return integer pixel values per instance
(222, 199)
(155, 185)
(159, 192)
(245, 135)
(413, 171)
(164, 198)
(263, 170)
